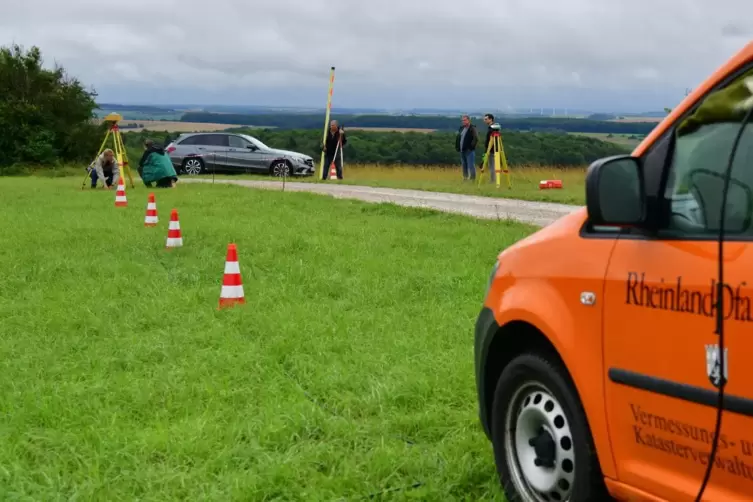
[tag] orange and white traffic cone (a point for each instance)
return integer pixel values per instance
(232, 285)
(120, 195)
(332, 171)
(174, 237)
(151, 219)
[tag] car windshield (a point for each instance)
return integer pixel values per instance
(255, 141)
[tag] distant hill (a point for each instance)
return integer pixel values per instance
(439, 123)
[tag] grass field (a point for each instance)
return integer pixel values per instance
(525, 181)
(347, 375)
(177, 126)
(627, 140)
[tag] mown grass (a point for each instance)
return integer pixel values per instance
(348, 373)
(524, 181)
(448, 179)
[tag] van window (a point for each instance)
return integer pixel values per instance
(703, 144)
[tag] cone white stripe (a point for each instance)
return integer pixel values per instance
(151, 219)
(174, 225)
(174, 242)
(120, 198)
(232, 267)
(231, 292)
(151, 205)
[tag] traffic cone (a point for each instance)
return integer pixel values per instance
(332, 171)
(120, 195)
(174, 237)
(232, 285)
(151, 219)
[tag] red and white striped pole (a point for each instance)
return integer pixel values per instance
(326, 117)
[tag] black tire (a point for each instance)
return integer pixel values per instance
(193, 166)
(575, 474)
(278, 166)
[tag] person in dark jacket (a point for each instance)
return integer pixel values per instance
(492, 126)
(155, 165)
(465, 143)
(334, 135)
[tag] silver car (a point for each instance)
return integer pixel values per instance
(207, 152)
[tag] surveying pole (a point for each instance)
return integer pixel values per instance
(326, 118)
(500, 159)
(118, 148)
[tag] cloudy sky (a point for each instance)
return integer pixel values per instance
(631, 55)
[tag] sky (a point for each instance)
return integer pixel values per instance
(600, 55)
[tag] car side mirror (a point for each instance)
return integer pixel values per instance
(615, 194)
(252, 148)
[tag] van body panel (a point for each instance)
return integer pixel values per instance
(640, 359)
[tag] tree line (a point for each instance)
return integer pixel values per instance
(439, 123)
(45, 115)
(414, 148)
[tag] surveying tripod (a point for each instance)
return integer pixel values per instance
(500, 160)
(119, 149)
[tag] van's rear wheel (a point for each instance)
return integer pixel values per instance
(542, 444)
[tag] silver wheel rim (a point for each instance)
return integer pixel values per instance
(193, 166)
(534, 409)
(280, 169)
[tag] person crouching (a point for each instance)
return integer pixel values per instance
(106, 168)
(155, 166)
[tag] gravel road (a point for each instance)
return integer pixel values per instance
(535, 213)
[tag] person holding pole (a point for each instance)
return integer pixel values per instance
(332, 149)
(465, 143)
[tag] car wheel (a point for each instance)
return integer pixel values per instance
(280, 168)
(193, 166)
(542, 444)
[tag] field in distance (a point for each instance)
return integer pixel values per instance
(637, 119)
(390, 129)
(177, 126)
(174, 126)
(627, 140)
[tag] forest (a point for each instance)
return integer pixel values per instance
(434, 122)
(414, 148)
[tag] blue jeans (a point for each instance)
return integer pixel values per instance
(468, 161)
(95, 178)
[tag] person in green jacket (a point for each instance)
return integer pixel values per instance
(155, 165)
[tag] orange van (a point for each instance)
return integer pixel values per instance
(596, 352)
